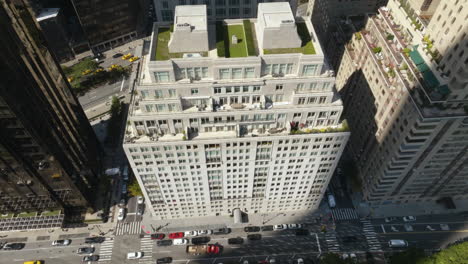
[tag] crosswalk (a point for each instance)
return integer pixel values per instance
(129, 228)
(331, 241)
(371, 236)
(105, 251)
(147, 248)
(344, 214)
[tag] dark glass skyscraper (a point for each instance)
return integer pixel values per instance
(49, 154)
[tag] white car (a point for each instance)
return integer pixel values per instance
(63, 242)
(121, 214)
(180, 242)
(191, 233)
(134, 255)
(389, 219)
(409, 218)
(408, 227)
(140, 200)
(205, 232)
(280, 227)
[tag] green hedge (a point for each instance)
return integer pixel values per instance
(220, 30)
(249, 38)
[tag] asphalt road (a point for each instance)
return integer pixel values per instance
(103, 93)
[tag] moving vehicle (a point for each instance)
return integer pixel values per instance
(122, 203)
(121, 214)
(408, 227)
(254, 237)
(124, 188)
(85, 250)
(302, 232)
(213, 249)
(197, 249)
(140, 210)
(34, 262)
(397, 243)
(90, 240)
(221, 231)
(267, 228)
(205, 232)
(235, 241)
(251, 229)
(134, 255)
(200, 240)
(140, 200)
(389, 219)
(90, 258)
(180, 242)
(331, 201)
(117, 55)
(14, 246)
(61, 242)
(280, 227)
(294, 226)
(157, 236)
(164, 260)
(125, 173)
(409, 218)
(164, 243)
(191, 233)
(300, 261)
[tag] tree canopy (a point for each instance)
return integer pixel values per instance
(456, 254)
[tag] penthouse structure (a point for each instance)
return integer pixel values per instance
(238, 119)
(404, 94)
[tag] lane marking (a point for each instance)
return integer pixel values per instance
(429, 232)
(123, 81)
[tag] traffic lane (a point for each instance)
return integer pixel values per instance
(132, 205)
(252, 259)
(103, 91)
(427, 239)
(49, 260)
(56, 253)
(447, 218)
(420, 227)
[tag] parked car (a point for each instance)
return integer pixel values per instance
(90, 258)
(254, 237)
(331, 201)
(280, 227)
(294, 226)
(176, 235)
(302, 232)
(267, 228)
(90, 240)
(235, 241)
(164, 260)
(121, 215)
(221, 231)
(124, 188)
(300, 261)
(34, 262)
(140, 200)
(397, 243)
(409, 218)
(408, 227)
(180, 242)
(191, 233)
(117, 55)
(140, 210)
(122, 203)
(205, 232)
(125, 171)
(134, 255)
(85, 250)
(200, 240)
(157, 236)
(213, 249)
(251, 229)
(13, 246)
(61, 242)
(164, 243)
(389, 219)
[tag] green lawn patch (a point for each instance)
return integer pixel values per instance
(25, 214)
(224, 45)
(249, 38)
(51, 213)
(9, 215)
(306, 47)
(162, 48)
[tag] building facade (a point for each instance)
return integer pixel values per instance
(110, 23)
(409, 140)
(237, 126)
(49, 156)
(216, 9)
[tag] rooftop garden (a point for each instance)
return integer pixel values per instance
(162, 48)
(297, 128)
(51, 213)
(27, 214)
(306, 47)
(224, 44)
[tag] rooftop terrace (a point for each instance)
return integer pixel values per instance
(307, 47)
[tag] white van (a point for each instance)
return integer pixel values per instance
(331, 201)
(395, 243)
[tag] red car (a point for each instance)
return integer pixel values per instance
(157, 236)
(213, 249)
(176, 235)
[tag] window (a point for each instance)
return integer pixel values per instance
(224, 74)
(246, 11)
(167, 15)
(278, 69)
(237, 73)
(301, 100)
(172, 93)
(279, 87)
(220, 11)
(278, 98)
(246, 2)
(217, 90)
(194, 91)
(162, 76)
(234, 11)
(309, 70)
(220, 2)
(234, 2)
(256, 88)
(158, 94)
(249, 72)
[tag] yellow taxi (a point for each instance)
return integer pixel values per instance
(34, 262)
(133, 59)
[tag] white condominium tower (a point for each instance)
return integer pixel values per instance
(404, 84)
(241, 114)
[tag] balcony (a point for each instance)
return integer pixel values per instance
(297, 129)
